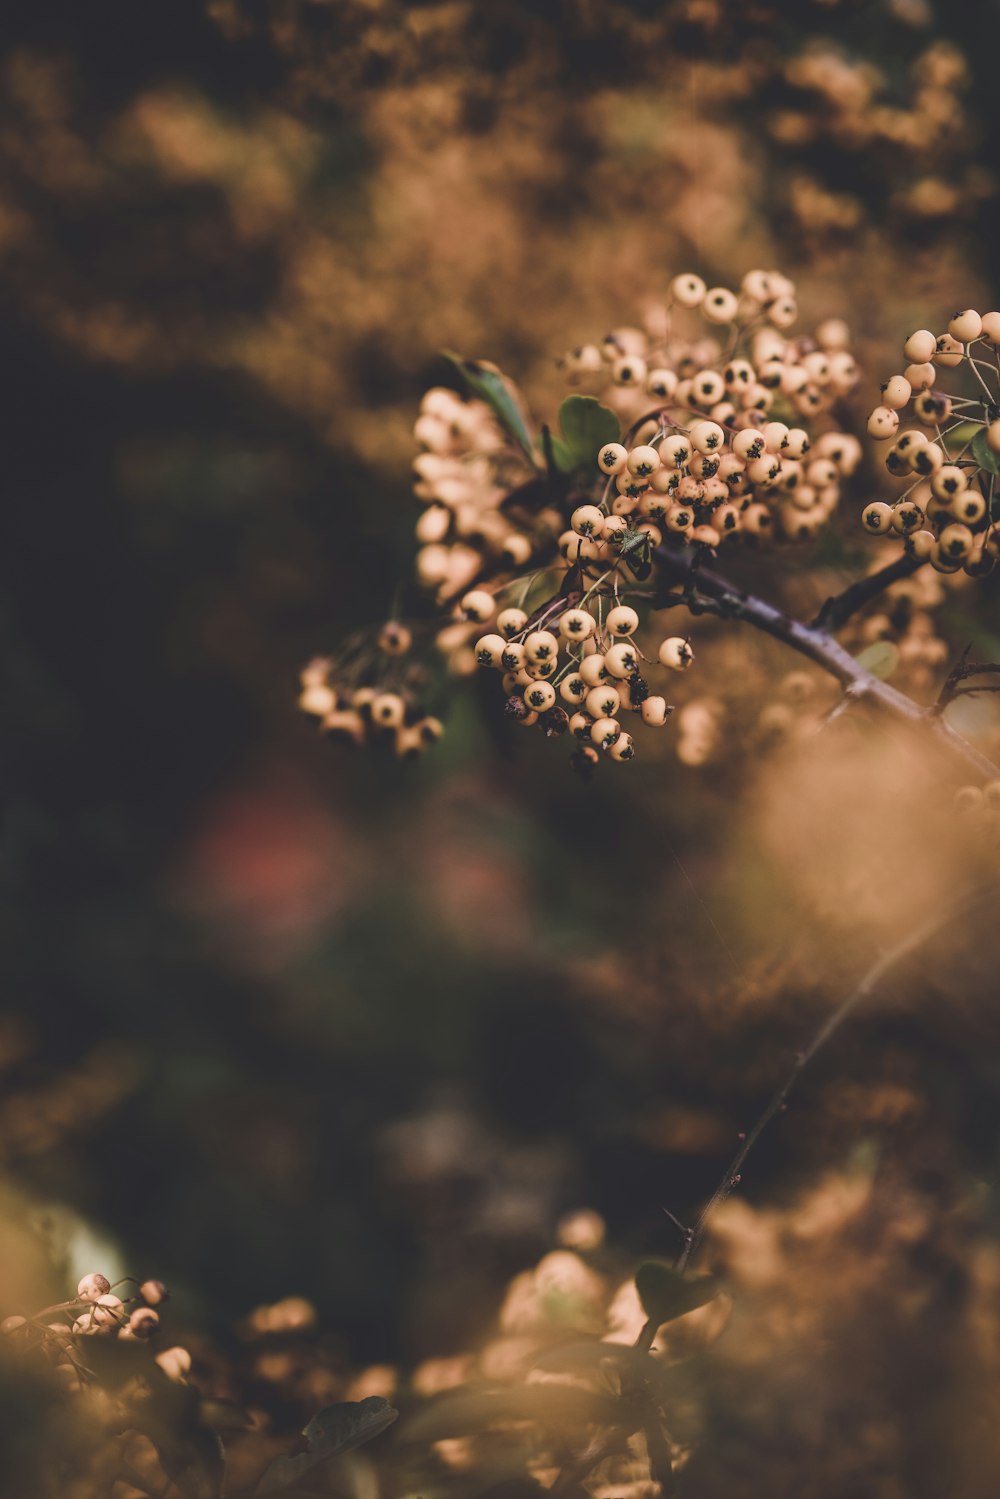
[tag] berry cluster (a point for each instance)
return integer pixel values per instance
(948, 461)
(725, 450)
(376, 693)
(571, 667)
(96, 1311)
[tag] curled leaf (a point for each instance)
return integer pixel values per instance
(333, 1430)
(585, 426)
(667, 1293)
(486, 382)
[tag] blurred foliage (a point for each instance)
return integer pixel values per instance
(281, 1022)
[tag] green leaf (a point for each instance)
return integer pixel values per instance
(331, 1431)
(666, 1293)
(586, 426)
(880, 658)
(984, 454)
(489, 385)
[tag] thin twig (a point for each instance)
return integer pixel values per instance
(889, 960)
(838, 609)
(820, 647)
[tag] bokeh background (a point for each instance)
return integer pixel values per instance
(279, 1019)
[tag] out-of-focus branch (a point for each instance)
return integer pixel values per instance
(911, 942)
(682, 566)
(838, 609)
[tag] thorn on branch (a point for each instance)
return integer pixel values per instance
(959, 674)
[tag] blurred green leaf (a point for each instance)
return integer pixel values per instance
(880, 658)
(984, 454)
(667, 1293)
(486, 382)
(333, 1430)
(585, 426)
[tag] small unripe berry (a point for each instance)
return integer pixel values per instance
(896, 392)
(604, 732)
(622, 748)
(920, 346)
(921, 544)
(675, 653)
(593, 670)
(603, 701)
(675, 450)
(707, 437)
(387, 708)
(93, 1286)
(511, 622)
(949, 481)
(965, 326)
(489, 650)
(621, 660)
(580, 725)
(883, 422)
(655, 711)
(540, 696)
(576, 624)
(970, 507)
(907, 517)
(948, 352)
(478, 606)
(573, 689)
(955, 543)
(991, 327)
(643, 461)
(688, 290)
(661, 383)
(143, 1322)
(719, 305)
(612, 458)
(513, 656)
(877, 518)
(587, 520)
(622, 620)
(629, 370)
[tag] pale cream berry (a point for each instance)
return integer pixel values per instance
(795, 443)
(643, 461)
(704, 535)
(108, 1311)
(911, 438)
(968, 507)
(542, 646)
(707, 437)
(612, 458)
(833, 333)
(948, 351)
(675, 653)
(622, 620)
(576, 624)
(896, 392)
(883, 422)
(573, 689)
(726, 519)
(593, 670)
(774, 435)
(675, 450)
(175, 1363)
(719, 305)
(629, 370)
(756, 520)
(991, 327)
(580, 725)
(154, 1292)
(955, 543)
(877, 518)
(387, 708)
(396, 639)
(587, 520)
(688, 290)
(317, 700)
(511, 622)
(920, 346)
(993, 437)
(707, 388)
(603, 701)
(622, 660)
(783, 311)
(966, 326)
(540, 696)
(93, 1286)
(920, 376)
(604, 732)
(921, 544)
(513, 657)
(622, 748)
(143, 1322)
(749, 444)
(478, 606)
(654, 711)
(907, 517)
(679, 518)
(489, 650)
(516, 549)
(661, 383)
(925, 458)
(949, 481)
(764, 471)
